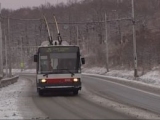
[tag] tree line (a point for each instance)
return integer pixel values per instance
(81, 23)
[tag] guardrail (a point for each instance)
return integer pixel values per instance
(8, 81)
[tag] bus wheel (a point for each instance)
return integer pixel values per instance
(75, 92)
(40, 92)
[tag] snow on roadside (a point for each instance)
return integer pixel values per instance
(16, 71)
(8, 102)
(16, 103)
(152, 77)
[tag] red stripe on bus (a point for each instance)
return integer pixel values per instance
(64, 80)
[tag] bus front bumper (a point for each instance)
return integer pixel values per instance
(59, 88)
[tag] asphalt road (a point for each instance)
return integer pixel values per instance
(124, 94)
(66, 106)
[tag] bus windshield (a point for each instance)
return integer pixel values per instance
(66, 62)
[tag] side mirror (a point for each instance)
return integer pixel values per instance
(83, 60)
(35, 58)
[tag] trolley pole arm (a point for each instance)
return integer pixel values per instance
(59, 35)
(49, 33)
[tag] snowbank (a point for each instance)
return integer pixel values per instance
(152, 77)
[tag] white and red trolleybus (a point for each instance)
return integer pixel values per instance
(58, 68)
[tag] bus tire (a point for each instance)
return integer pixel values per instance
(75, 92)
(40, 92)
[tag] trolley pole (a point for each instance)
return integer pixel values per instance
(134, 41)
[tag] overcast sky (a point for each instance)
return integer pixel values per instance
(15, 4)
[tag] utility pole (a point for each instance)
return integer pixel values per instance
(107, 67)
(6, 55)
(134, 41)
(1, 45)
(77, 35)
(21, 55)
(10, 65)
(70, 41)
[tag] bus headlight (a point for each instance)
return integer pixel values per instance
(43, 80)
(75, 80)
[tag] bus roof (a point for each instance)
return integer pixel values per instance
(58, 46)
(47, 44)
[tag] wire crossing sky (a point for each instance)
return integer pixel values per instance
(16, 4)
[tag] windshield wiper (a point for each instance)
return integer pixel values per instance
(72, 74)
(47, 73)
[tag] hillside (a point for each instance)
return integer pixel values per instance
(82, 23)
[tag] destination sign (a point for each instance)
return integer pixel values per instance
(58, 49)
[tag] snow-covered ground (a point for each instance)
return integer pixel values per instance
(10, 99)
(152, 77)
(8, 102)
(15, 102)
